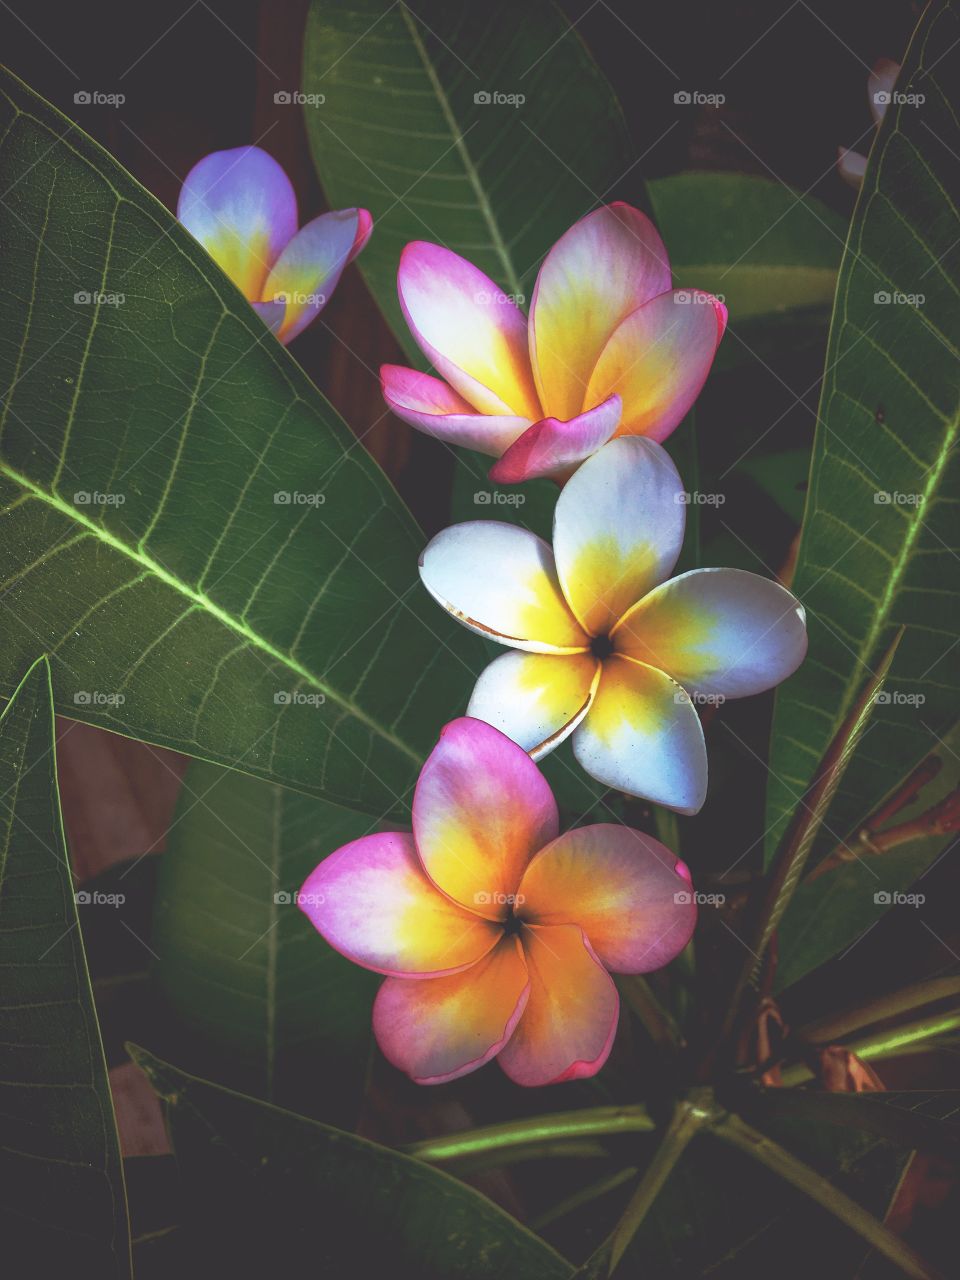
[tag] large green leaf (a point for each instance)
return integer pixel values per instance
(401, 131)
(262, 1000)
(762, 247)
(64, 1205)
(879, 536)
(143, 447)
(273, 1193)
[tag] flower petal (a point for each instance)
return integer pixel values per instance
(643, 736)
(568, 1026)
(242, 208)
(481, 810)
(719, 632)
(475, 335)
(607, 264)
(534, 698)
(428, 404)
(657, 360)
(372, 902)
(438, 1030)
(621, 887)
(851, 166)
(553, 448)
(271, 313)
(617, 530)
(309, 268)
(501, 581)
(880, 85)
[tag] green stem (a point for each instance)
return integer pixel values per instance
(884, 1044)
(832, 1028)
(689, 1116)
(543, 1130)
(586, 1195)
(737, 1133)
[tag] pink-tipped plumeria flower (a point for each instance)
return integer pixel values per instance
(851, 164)
(496, 933)
(609, 349)
(609, 650)
(242, 208)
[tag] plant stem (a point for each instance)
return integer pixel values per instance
(836, 1025)
(884, 1044)
(689, 1116)
(586, 1195)
(545, 1131)
(737, 1133)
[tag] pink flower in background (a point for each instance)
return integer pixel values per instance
(610, 348)
(607, 648)
(851, 164)
(497, 934)
(242, 208)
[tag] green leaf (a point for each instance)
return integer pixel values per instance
(879, 533)
(926, 1118)
(783, 477)
(64, 1204)
(287, 639)
(762, 247)
(257, 996)
(273, 1193)
(401, 132)
(828, 913)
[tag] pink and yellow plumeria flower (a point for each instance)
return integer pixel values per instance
(610, 348)
(497, 934)
(242, 208)
(607, 649)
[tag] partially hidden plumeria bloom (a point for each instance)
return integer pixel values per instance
(851, 164)
(610, 348)
(607, 649)
(242, 208)
(496, 933)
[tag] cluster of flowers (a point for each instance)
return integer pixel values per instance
(496, 933)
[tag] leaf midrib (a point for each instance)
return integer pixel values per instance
(483, 204)
(210, 607)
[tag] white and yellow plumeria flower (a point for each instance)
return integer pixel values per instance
(608, 650)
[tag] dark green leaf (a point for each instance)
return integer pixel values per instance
(762, 247)
(287, 639)
(880, 527)
(273, 1193)
(64, 1205)
(402, 131)
(262, 1001)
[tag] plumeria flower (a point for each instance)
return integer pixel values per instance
(242, 208)
(851, 164)
(610, 348)
(606, 648)
(497, 934)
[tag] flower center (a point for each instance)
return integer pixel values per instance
(601, 646)
(512, 925)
